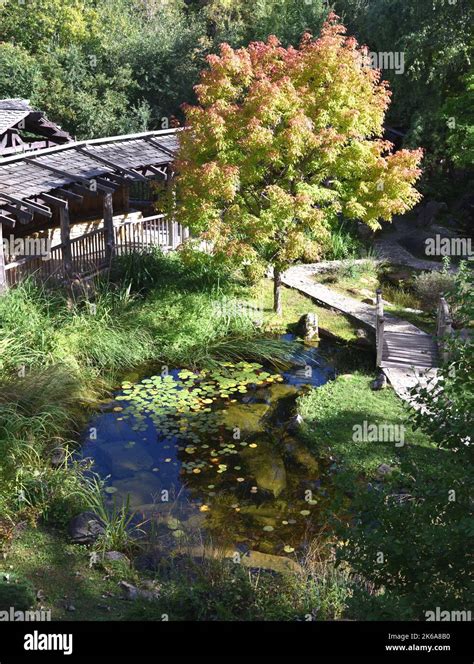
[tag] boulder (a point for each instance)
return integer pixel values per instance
(86, 528)
(384, 470)
(116, 556)
(247, 417)
(380, 383)
(58, 457)
(308, 326)
(303, 457)
(281, 564)
(266, 466)
(131, 592)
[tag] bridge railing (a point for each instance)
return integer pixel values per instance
(379, 326)
(88, 252)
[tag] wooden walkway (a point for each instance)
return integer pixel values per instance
(408, 355)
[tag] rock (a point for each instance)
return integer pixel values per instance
(399, 274)
(380, 383)
(282, 564)
(294, 423)
(281, 391)
(266, 466)
(58, 457)
(364, 232)
(131, 592)
(384, 470)
(150, 560)
(363, 337)
(86, 528)
(247, 417)
(308, 326)
(301, 455)
(114, 556)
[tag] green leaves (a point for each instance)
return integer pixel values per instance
(281, 142)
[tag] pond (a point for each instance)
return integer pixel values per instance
(212, 454)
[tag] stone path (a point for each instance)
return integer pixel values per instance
(409, 353)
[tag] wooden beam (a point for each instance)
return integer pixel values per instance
(105, 185)
(7, 221)
(158, 171)
(113, 165)
(109, 227)
(53, 200)
(84, 190)
(67, 193)
(34, 207)
(118, 179)
(24, 217)
(3, 274)
(65, 227)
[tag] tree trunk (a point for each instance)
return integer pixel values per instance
(277, 305)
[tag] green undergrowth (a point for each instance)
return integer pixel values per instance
(401, 502)
(75, 586)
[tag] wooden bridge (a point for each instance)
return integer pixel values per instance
(404, 353)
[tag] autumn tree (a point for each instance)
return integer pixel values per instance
(285, 141)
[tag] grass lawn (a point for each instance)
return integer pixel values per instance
(405, 530)
(295, 305)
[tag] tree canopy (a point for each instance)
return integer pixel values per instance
(283, 142)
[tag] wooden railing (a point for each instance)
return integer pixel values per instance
(89, 251)
(379, 327)
(444, 327)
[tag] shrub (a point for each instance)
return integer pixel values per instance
(430, 286)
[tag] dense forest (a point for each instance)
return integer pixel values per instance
(116, 66)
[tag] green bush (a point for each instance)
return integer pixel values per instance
(430, 286)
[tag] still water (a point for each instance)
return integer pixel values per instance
(214, 454)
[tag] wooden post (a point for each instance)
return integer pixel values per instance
(444, 327)
(65, 228)
(3, 274)
(171, 234)
(109, 228)
(277, 301)
(126, 198)
(379, 327)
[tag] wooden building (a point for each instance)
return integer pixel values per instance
(67, 209)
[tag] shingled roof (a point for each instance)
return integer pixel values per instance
(129, 157)
(17, 117)
(12, 111)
